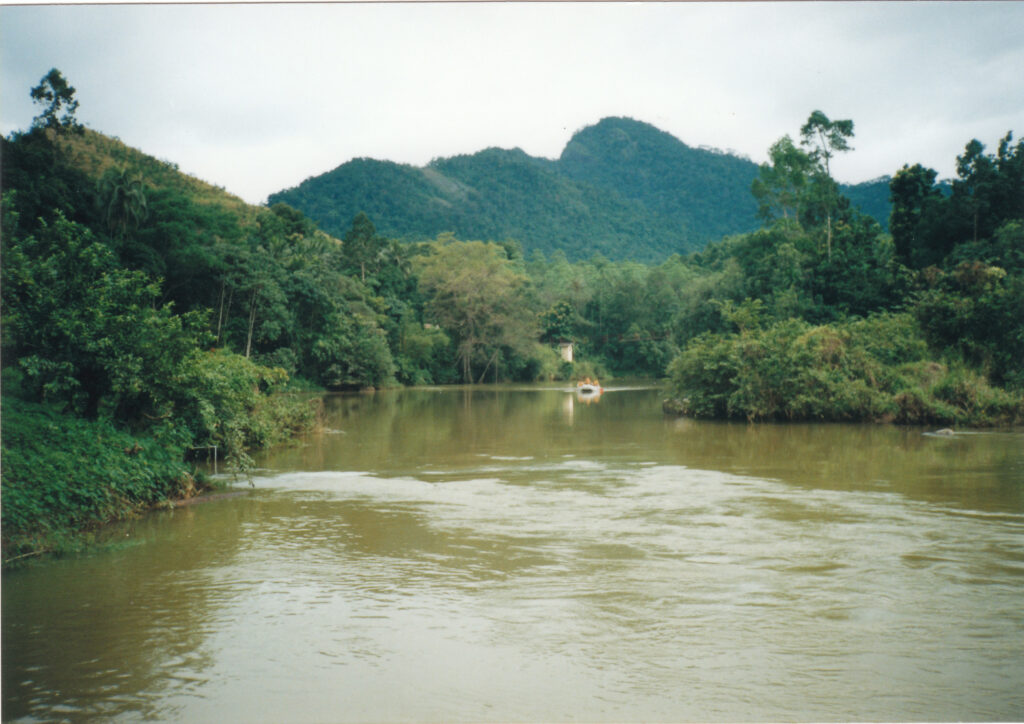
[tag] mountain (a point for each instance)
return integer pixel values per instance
(621, 187)
(704, 191)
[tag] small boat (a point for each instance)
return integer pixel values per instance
(588, 387)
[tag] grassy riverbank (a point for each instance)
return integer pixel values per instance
(65, 477)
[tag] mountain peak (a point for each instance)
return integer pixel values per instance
(621, 187)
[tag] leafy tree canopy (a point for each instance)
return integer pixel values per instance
(57, 97)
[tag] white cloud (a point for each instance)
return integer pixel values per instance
(258, 97)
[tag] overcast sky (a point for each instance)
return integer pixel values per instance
(256, 98)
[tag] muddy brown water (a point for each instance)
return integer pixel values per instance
(523, 554)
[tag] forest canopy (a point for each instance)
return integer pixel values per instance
(621, 188)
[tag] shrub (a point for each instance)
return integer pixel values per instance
(222, 402)
(63, 474)
(870, 369)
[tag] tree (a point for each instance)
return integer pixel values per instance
(476, 294)
(824, 138)
(58, 99)
(929, 228)
(361, 245)
(781, 186)
(973, 190)
(558, 323)
(1009, 197)
(913, 195)
(122, 201)
(88, 335)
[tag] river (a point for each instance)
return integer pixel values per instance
(522, 554)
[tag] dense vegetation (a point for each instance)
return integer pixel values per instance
(621, 188)
(115, 364)
(819, 315)
(147, 314)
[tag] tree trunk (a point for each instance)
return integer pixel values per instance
(252, 323)
(828, 234)
(220, 311)
(483, 374)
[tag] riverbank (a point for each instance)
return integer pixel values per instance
(64, 478)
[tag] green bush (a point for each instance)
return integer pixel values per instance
(63, 474)
(872, 369)
(222, 401)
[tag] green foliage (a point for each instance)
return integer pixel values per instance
(781, 186)
(796, 190)
(424, 355)
(873, 369)
(62, 474)
(914, 197)
(771, 330)
(57, 97)
(824, 137)
(352, 354)
(89, 336)
(38, 180)
(976, 313)
(120, 274)
(585, 369)
(954, 395)
(476, 295)
(122, 200)
(362, 246)
(703, 193)
(222, 401)
(559, 322)
(988, 193)
(621, 188)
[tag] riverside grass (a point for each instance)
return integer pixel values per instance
(64, 477)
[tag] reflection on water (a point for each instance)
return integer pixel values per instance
(510, 554)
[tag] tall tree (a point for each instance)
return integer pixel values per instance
(57, 97)
(781, 186)
(88, 335)
(973, 190)
(122, 200)
(1009, 197)
(476, 295)
(362, 245)
(913, 194)
(824, 138)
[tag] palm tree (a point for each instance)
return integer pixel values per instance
(122, 200)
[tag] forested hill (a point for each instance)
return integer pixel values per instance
(706, 192)
(621, 187)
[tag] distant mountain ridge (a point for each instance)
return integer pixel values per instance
(621, 187)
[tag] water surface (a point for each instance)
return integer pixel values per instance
(521, 554)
